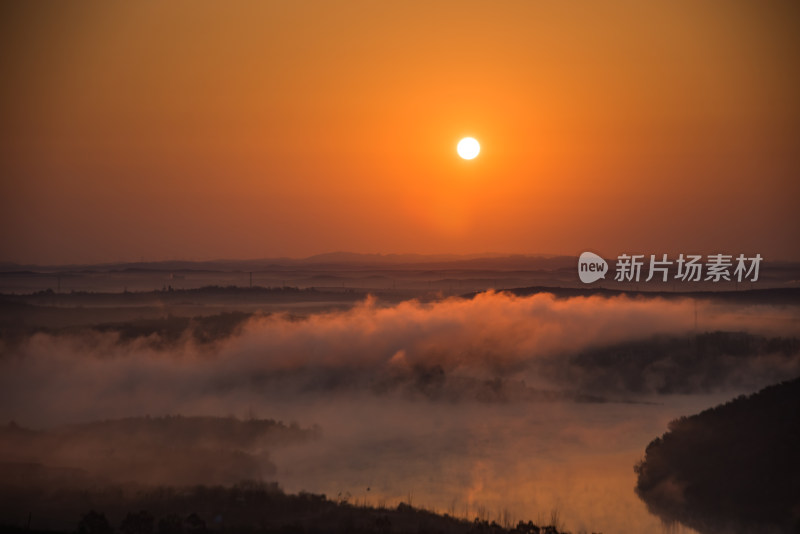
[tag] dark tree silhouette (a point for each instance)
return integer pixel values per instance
(195, 524)
(733, 468)
(171, 524)
(94, 523)
(137, 523)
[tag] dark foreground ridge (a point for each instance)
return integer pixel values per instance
(246, 507)
(732, 468)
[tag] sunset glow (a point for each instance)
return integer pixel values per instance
(399, 267)
(285, 131)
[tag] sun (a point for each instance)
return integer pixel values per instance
(468, 148)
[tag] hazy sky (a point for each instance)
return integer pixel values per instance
(201, 130)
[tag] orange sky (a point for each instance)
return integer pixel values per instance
(205, 130)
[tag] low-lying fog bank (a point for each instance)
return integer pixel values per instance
(493, 406)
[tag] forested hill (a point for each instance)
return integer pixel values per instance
(732, 468)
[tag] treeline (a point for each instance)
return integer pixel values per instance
(246, 507)
(160, 332)
(697, 363)
(732, 468)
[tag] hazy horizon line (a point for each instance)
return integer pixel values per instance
(343, 255)
(433, 256)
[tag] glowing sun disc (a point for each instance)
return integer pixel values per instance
(468, 148)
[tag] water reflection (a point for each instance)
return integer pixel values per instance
(501, 462)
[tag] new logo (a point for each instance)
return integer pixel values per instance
(591, 267)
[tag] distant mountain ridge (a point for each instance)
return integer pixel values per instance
(330, 259)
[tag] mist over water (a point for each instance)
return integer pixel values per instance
(498, 406)
(489, 460)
